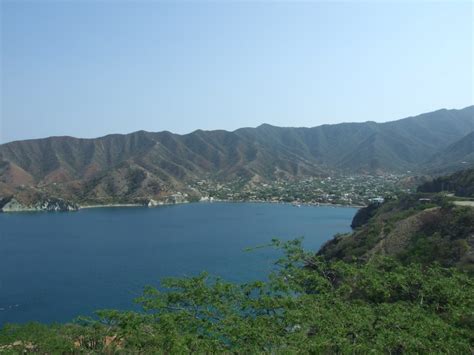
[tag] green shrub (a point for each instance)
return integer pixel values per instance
(307, 305)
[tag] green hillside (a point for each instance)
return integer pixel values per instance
(460, 183)
(416, 228)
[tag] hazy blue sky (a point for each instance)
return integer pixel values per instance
(88, 68)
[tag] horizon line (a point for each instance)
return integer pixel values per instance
(237, 129)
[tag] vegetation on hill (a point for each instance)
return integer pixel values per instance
(416, 228)
(308, 305)
(460, 183)
(363, 215)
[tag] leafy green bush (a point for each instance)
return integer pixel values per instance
(307, 305)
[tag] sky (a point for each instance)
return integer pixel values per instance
(88, 68)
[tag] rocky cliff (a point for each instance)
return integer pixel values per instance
(43, 204)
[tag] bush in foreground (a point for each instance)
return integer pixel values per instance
(307, 305)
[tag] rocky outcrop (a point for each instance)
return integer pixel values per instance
(172, 199)
(153, 203)
(48, 204)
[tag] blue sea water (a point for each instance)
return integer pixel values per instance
(57, 266)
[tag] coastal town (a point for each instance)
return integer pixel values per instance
(354, 190)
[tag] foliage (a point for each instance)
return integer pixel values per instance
(414, 228)
(364, 214)
(445, 239)
(461, 183)
(135, 177)
(307, 305)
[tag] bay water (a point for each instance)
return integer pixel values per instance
(57, 266)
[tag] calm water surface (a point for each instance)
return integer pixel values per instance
(56, 266)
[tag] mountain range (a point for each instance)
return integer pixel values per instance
(147, 164)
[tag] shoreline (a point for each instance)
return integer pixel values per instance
(115, 205)
(296, 204)
(125, 205)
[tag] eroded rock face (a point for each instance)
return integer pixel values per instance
(48, 204)
(13, 206)
(153, 203)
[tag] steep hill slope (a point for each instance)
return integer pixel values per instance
(456, 156)
(411, 230)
